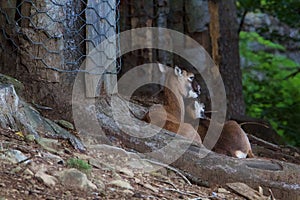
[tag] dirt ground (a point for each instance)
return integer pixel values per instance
(18, 182)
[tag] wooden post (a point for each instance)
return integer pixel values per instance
(98, 30)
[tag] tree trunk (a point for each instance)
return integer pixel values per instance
(225, 52)
(47, 38)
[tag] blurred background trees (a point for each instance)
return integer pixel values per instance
(269, 50)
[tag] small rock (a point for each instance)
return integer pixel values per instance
(51, 198)
(68, 193)
(100, 185)
(48, 144)
(65, 124)
(112, 189)
(45, 178)
(4, 79)
(15, 191)
(122, 184)
(140, 164)
(214, 195)
(223, 190)
(116, 176)
(160, 172)
(138, 195)
(100, 165)
(76, 179)
(150, 187)
(28, 172)
(16, 156)
(136, 180)
(67, 151)
(82, 156)
(129, 192)
(16, 170)
(286, 150)
(126, 171)
(221, 196)
(260, 190)
(54, 158)
(30, 137)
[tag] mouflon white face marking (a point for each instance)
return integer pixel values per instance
(233, 141)
(199, 110)
(192, 94)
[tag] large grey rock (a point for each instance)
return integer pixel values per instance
(9, 103)
(17, 115)
(269, 26)
(15, 156)
(19, 87)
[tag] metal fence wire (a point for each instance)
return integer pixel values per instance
(57, 34)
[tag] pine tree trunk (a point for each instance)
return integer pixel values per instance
(225, 52)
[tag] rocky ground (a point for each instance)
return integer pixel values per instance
(46, 161)
(52, 169)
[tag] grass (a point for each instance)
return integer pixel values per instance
(79, 164)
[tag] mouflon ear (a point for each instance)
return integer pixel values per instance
(178, 71)
(162, 68)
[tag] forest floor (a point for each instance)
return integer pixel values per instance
(112, 179)
(24, 180)
(48, 168)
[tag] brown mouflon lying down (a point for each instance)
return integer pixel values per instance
(233, 141)
(178, 85)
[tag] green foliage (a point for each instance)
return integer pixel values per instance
(270, 91)
(79, 164)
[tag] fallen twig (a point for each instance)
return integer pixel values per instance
(264, 143)
(170, 168)
(167, 182)
(272, 195)
(184, 193)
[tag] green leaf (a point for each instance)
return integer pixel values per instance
(268, 92)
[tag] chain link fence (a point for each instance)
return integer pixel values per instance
(56, 34)
(49, 39)
(44, 43)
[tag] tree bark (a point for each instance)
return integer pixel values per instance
(225, 52)
(43, 38)
(281, 177)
